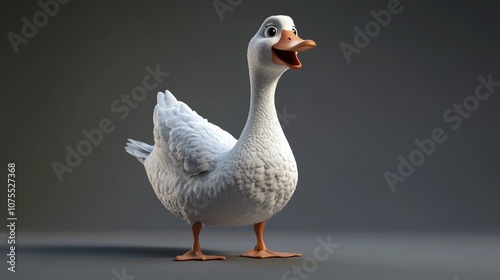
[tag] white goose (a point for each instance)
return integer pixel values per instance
(204, 175)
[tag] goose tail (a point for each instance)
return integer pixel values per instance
(138, 149)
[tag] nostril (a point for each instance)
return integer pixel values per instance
(289, 38)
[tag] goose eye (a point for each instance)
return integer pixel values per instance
(294, 31)
(271, 31)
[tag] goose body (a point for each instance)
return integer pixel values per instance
(200, 172)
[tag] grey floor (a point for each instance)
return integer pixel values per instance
(149, 255)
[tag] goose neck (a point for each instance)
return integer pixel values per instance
(262, 118)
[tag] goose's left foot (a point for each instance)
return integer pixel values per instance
(266, 253)
(260, 251)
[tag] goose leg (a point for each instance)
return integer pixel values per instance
(195, 253)
(260, 250)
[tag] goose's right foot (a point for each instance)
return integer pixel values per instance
(195, 253)
(198, 256)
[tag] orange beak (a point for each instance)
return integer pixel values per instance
(285, 51)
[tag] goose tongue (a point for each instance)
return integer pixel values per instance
(285, 51)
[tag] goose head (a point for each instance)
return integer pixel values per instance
(275, 46)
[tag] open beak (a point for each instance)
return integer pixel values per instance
(285, 51)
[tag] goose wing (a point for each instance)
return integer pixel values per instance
(186, 139)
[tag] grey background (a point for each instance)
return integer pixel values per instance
(352, 120)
